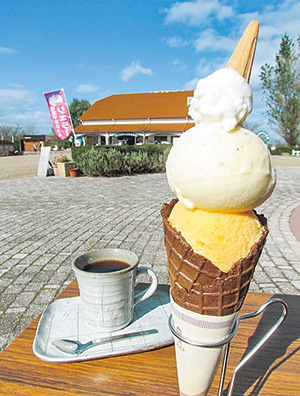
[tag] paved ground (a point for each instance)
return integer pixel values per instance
(46, 222)
(18, 166)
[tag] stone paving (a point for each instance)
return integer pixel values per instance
(47, 222)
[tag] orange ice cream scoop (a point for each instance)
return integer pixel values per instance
(223, 238)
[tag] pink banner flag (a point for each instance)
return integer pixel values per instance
(59, 113)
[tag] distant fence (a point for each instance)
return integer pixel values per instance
(6, 148)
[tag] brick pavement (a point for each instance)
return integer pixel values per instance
(46, 222)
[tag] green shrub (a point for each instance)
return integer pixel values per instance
(283, 149)
(77, 153)
(121, 160)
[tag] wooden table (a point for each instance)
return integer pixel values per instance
(274, 372)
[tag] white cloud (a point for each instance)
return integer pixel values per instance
(191, 85)
(216, 44)
(37, 120)
(210, 40)
(283, 19)
(274, 23)
(7, 51)
(179, 66)
(176, 41)
(87, 88)
(16, 101)
(21, 106)
(15, 85)
(134, 69)
(197, 12)
(205, 68)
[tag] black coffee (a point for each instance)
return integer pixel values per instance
(106, 266)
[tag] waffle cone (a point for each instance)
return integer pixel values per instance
(242, 58)
(196, 283)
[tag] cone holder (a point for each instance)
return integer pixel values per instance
(226, 342)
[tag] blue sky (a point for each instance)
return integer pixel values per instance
(96, 48)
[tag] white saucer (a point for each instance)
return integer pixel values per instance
(63, 319)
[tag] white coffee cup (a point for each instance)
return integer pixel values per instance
(108, 298)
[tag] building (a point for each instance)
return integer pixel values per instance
(34, 142)
(137, 118)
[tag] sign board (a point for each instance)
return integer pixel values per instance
(44, 161)
(126, 134)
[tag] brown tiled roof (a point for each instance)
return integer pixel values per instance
(172, 127)
(171, 104)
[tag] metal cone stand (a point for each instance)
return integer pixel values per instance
(227, 341)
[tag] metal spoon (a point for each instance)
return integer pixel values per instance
(76, 347)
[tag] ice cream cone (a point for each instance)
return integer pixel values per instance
(197, 284)
(197, 366)
(242, 58)
(206, 300)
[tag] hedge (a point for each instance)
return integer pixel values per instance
(120, 160)
(284, 149)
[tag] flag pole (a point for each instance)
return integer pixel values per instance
(73, 130)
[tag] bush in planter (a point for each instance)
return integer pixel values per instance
(61, 159)
(63, 165)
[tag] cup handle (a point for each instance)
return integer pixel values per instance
(144, 294)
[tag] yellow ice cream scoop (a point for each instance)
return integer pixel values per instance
(223, 238)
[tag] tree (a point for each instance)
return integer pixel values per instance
(281, 90)
(11, 132)
(77, 108)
